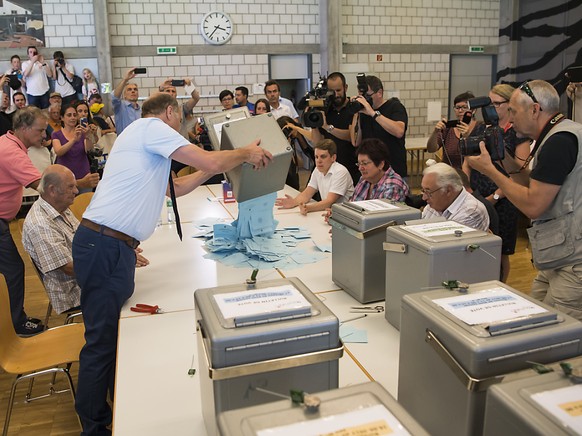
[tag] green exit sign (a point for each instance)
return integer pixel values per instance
(476, 49)
(166, 50)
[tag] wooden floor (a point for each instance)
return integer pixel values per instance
(56, 415)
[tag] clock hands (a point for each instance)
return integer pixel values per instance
(215, 29)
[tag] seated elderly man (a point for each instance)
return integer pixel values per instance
(48, 233)
(443, 191)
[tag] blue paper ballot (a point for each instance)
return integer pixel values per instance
(225, 231)
(323, 246)
(349, 333)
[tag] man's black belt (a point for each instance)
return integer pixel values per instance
(132, 242)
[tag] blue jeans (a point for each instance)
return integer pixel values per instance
(105, 270)
(12, 268)
(40, 101)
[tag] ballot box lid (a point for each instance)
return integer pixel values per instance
(214, 123)
(360, 407)
(492, 328)
(272, 318)
(367, 214)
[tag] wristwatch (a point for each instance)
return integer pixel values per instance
(376, 115)
(330, 128)
(496, 197)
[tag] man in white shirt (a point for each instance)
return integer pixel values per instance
(331, 179)
(36, 72)
(279, 106)
(63, 73)
(443, 190)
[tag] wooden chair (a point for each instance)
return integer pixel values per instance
(80, 204)
(38, 355)
(186, 171)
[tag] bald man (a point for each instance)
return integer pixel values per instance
(48, 233)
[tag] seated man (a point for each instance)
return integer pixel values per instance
(48, 233)
(443, 190)
(331, 179)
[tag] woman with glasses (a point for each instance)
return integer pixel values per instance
(516, 147)
(378, 179)
(446, 135)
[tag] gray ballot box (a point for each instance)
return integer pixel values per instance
(248, 183)
(359, 409)
(422, 255)
(274, 335)
(543, 404)
(358, 263)
(454, 345)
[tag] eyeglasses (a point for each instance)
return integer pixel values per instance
(498, 103)
(226, 99)
(428, 192)
(525, 88)
(364, 163)
(461, 108)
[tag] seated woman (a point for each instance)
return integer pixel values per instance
(262, 106)
(378, 178)
(448, 137)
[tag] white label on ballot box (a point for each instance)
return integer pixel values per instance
(441, 228)
(375, 205)
(489, 306)
(565, 404)
(261, 301)
(370, 421)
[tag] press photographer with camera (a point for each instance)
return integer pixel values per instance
(335, 120)
(447, 134)
(513, 145)
(63, 73)
(551, 196)
(385, 120)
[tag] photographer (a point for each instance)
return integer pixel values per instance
(336, 124)
(63, 73)
(385, 120)
(36, 73)
(506, 211)
(550, 196)
(574, 93)
(446, 135)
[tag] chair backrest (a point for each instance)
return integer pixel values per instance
(8, 338)
(80, 204)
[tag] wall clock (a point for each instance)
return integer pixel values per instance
(216, 27)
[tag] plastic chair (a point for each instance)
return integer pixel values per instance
(38, 355)
(80, 204)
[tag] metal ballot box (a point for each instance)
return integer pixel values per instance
(357, 409)
(357, 261)
(275, 335)
(454, 345)
(420, 256)
(543, 404)
(247, 183)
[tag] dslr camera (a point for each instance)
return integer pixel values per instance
(492, 136)
(355, 106)
(60, 61)
(95, 163)
(315, 102)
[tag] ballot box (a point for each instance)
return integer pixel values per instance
(543, 404)
(274, 335)
(357, 259)
(455, 344)
(422, 255)
(248, 183)
(359, 409)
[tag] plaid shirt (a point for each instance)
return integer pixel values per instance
(390, 186)
(47, 236)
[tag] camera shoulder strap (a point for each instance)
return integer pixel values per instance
(549, 126)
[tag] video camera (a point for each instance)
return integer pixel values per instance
(355, 106)
(492, 136)
(315, 102)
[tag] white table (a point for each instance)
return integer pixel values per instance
(154, 394)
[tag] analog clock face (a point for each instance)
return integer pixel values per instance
(216, 27)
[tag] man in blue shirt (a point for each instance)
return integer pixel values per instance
(124, 211)
(241, 95)
(126, 110)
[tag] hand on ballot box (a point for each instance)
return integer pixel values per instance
(257, 156)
